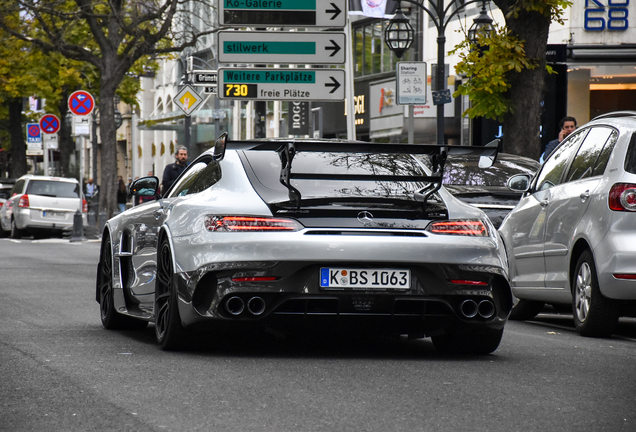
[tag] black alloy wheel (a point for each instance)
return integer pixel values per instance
(168, 329)
(594, 314)
(111, 319)
(469, 343)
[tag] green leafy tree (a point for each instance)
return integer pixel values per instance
(507, 71)
(112, 36)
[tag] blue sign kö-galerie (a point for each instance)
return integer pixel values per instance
(603, 15)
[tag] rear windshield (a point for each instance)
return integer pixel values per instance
(267, 167)
(52, 188)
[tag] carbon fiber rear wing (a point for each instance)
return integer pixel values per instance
(287, 149)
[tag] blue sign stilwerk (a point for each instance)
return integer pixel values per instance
(33, 133)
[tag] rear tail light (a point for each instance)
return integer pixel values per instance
(467, 227)
(84, 206)
(467, 282)
(628, 276)
(24, 201)
(248, 223)
(622, 197)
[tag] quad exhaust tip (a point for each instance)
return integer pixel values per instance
(235, 305)
(256, 306)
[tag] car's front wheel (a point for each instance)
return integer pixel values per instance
(16, 233)
(111, 319)
(168, 329)
(469, 343)
(525, 309)
(594, 314)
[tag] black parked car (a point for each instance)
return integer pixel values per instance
(486, 188)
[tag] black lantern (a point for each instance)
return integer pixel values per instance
(118, 119)
(482, 25)
(399, 34)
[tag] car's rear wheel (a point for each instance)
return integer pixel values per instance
(468, 343)
(111, 319)
(168, 329)
(594, 314)
(525, 309)
(15, 232)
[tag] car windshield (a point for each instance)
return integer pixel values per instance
(267, 167)
(52, 188)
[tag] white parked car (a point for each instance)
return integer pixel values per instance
(571, 240)
(42, 204)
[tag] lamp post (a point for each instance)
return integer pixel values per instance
(399, 37)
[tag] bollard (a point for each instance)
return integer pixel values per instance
(78, 227)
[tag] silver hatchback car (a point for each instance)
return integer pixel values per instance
(572, 237)
(41, 204)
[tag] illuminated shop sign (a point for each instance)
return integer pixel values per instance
(603, 15)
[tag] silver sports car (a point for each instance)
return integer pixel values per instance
(289, 234)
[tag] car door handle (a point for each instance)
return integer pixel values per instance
(544, 203)
(585, 195)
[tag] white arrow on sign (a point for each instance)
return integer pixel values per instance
(289, 13)
(282, 47)
(282, 84)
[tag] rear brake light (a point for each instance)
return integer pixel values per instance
(84, 206)
(255, 279)
(24, 201)
(625, 276)
(467, 282)
(248, 223)
(470, 227)
(622, 197)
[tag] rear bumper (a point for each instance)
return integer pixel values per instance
(616, 255)
(27, 219)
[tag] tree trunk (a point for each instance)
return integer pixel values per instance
(108, 135)
(67, 145)
(522, 126)
(18, 146)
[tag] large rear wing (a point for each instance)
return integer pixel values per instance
(287, 149)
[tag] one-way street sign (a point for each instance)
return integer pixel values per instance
(282, 84)
(283, 13)
(282, 47)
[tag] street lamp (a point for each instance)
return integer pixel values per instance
(400, 37)
(482, 25)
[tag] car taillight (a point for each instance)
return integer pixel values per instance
(622, 197)
(464, 227)
(249, 223)
(84, 206)
(24, 201)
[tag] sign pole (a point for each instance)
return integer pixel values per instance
(349, 98)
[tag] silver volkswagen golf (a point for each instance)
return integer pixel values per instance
(289, 234)
(571, 240)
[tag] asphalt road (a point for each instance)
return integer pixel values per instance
(61, 371)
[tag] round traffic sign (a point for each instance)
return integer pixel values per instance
(49, 124)
(81, 103)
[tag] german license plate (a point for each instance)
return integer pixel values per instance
(53, 214)
(348, 278)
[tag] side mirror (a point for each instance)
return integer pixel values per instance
(519, 183)
(145, 186)
(219, 147)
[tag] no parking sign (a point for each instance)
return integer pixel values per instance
(33, 133)
(49, 124)
(81, 103)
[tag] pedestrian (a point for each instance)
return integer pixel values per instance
(174, 170)
(567, 126)
(122, 194)
(91, 189)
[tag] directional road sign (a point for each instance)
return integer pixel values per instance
(188, 100)
(283, 13)
(281, 47)
(81, 103)
(204, 78)
(282, 84)
(49, 124)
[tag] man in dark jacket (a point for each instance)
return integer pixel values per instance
(567, 126)
(174, 170)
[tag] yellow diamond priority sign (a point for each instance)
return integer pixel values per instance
(188, 100)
